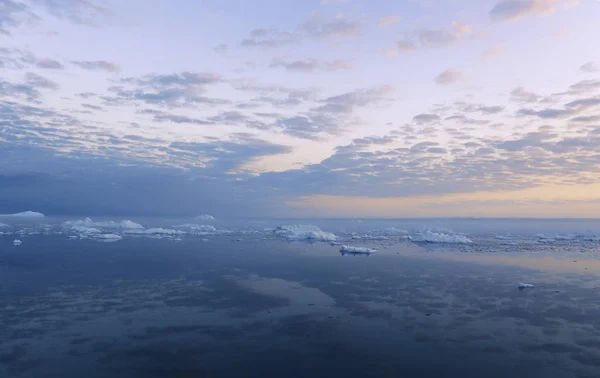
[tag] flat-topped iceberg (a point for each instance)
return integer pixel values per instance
(304, 232)
(89, 223)
(24, 214)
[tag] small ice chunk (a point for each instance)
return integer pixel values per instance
(363, 250)
(17, 242)
(522, 286)
(24, 214)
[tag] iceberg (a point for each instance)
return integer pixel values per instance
(17, 242)
(304, 232)
(442, 237)
(154, 231)
(108, 237)
(357, 250)
(2, 225)
(522, 286)
(89, 223)
(198, 229)
(24, 214)
(205, 217)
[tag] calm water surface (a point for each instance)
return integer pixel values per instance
(249, 306)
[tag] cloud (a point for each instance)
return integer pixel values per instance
(590, 67)
(49, 64)
(389, 20)
(19, 91)
(82, 12)
(546, 113)
(38, 81)
(306, 66)
(449, 76)
(264, 37)
(97, 65)
(519, 94)
(311, 65)
(12, 14)
(221, 49)
(171, 90)
(424, 119)
(406, 46)
(339, 27)
(435, 38)
(315, 27)
(515, 10)
(493, 53)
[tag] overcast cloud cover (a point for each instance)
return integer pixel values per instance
(288, 108)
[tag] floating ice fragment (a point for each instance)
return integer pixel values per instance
(357, 250)
(17, 242)
(522, 286)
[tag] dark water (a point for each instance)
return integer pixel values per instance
(267, 308)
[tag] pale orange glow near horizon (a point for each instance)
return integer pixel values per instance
(549, 201)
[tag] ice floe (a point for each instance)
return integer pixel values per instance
(17, 242)
(24, 214)
(430, 236)
(304, 232)
(357, 250)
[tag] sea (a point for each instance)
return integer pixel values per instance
(201, 297)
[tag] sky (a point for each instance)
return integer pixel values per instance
(316, 108)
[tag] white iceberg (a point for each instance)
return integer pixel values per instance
(442, 237)
(17, 242)
(304, 232)
(357, 250)
(89, 223)
(154, 231)
(24, 214)
(197, 229)
(108, 237)
(205, 217)
(522, 286)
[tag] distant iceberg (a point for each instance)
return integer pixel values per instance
(205, 217)
(153, 231)
(304, 232)
(17, 242)
(88, 222)
(24, 214)
(2, 225)
(357, 250)
(522, 286)
(430, 236)
(197, 227)
(108, 237)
